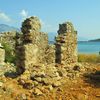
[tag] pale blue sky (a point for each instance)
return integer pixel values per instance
(84, 14)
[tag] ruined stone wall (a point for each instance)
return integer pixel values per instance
(36, 58)
(66, 44)
(50, 54)
(2, 56)
(35, 50)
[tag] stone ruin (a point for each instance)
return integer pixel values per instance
(37, 60)
(66, 44)
(2, 55)
(34, 49)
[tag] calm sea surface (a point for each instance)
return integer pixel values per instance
(89, 47)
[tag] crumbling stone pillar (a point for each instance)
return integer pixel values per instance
(34, 44)
(66, 44)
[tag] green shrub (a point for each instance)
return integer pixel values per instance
(9, 53)
(94, 58)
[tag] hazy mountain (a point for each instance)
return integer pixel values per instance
(5, 28)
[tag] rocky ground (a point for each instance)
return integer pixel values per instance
(84, 86)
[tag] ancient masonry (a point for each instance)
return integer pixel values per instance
(66, 44)
(38, 60)
(34, 49)
(2, 55)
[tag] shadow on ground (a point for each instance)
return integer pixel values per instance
(93, 79)
(11, 74)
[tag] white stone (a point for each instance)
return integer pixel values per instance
(1, 84)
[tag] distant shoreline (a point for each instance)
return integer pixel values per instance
(86, 47)
(88, 53)
(89, 41)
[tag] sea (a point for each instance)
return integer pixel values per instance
(87, 47)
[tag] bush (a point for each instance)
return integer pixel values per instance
(94, 58)
(9, 53)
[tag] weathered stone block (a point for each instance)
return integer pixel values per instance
(2, 56)
(50, 54)
(31, 55)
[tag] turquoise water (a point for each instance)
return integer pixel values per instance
(89, 47)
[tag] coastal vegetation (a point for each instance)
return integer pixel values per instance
(91, 58)
(9, 53)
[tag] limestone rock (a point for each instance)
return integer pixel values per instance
(66, 44)
(2, 56)
(28, 84)
(31, 23)
(49, 87)
(50, 54)
(1, 84)
(38, 92)
(8, 70)
(66, 28)
(24, 97)
(34, 45)
(57, 83)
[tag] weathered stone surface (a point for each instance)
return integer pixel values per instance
(31, 23)
(23, 96)
(37, 92)
(2, 56)
(29, 55)
(1, 84)
(34, 45)
(66, 27)
(46, 75)
(66, 44)
(8, 69)
(50, 54)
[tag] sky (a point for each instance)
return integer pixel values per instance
(84, 14)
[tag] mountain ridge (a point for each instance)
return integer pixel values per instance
(95, 40)
(6, 28)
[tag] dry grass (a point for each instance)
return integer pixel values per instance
(94, 58)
